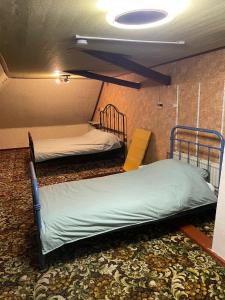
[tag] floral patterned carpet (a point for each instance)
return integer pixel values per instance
(152, 262)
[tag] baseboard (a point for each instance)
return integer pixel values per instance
(202, 240)
(7, 149)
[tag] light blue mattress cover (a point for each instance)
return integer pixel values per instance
(76, 210)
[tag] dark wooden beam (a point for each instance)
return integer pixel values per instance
(122, 61)
(130, 84)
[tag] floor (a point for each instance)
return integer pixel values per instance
(152, 262)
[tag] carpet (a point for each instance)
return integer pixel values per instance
(150, 262)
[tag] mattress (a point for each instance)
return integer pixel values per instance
(94, 141)
(77, 210)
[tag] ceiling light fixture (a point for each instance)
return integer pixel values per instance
(63, 79)
(57, 72)
(140, 14)
(83, 40)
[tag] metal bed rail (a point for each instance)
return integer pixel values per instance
(173, 139)
(112, 120)
(182, 141)
(37, 212)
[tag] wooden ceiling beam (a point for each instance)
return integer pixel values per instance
(91, 75)
(122, 61)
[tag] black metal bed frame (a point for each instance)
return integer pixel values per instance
(111, 120)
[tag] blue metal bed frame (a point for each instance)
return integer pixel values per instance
(37, 212)
(173, 138)
(181, 142)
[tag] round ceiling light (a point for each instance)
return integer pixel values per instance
(140, 14)
(140, 17)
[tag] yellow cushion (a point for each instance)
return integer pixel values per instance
(137, 149)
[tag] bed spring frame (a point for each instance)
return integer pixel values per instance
(111, 120)
(173, 139)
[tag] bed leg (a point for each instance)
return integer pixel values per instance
(35, 167)
(42, 261)
(124, 153)
(31, 146)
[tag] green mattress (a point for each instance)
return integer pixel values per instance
(76, 210)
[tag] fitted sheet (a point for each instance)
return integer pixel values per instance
(94, 141)
(76, 210)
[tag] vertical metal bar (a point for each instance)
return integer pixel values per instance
(197, 155)
(172, 142)
(114, 117)
(188, 158)
(180, 150)
(121, 124)
(221, 159)
(118, 123)
(110, 116)
(100, 119)
(123, 129)
(106, 117)
(208, 163)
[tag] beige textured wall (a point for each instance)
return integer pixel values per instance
(197, 86)
(44, 107)
(42, 102)
(18, 137)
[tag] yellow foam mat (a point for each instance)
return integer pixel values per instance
(137, 149)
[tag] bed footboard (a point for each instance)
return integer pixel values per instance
(37, 213)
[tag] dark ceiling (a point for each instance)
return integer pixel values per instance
(37, 37)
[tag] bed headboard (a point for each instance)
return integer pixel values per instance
(185, 148)
(112, 120)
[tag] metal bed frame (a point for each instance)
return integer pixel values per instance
(173, 138)
(111, 120)
(181, 142)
